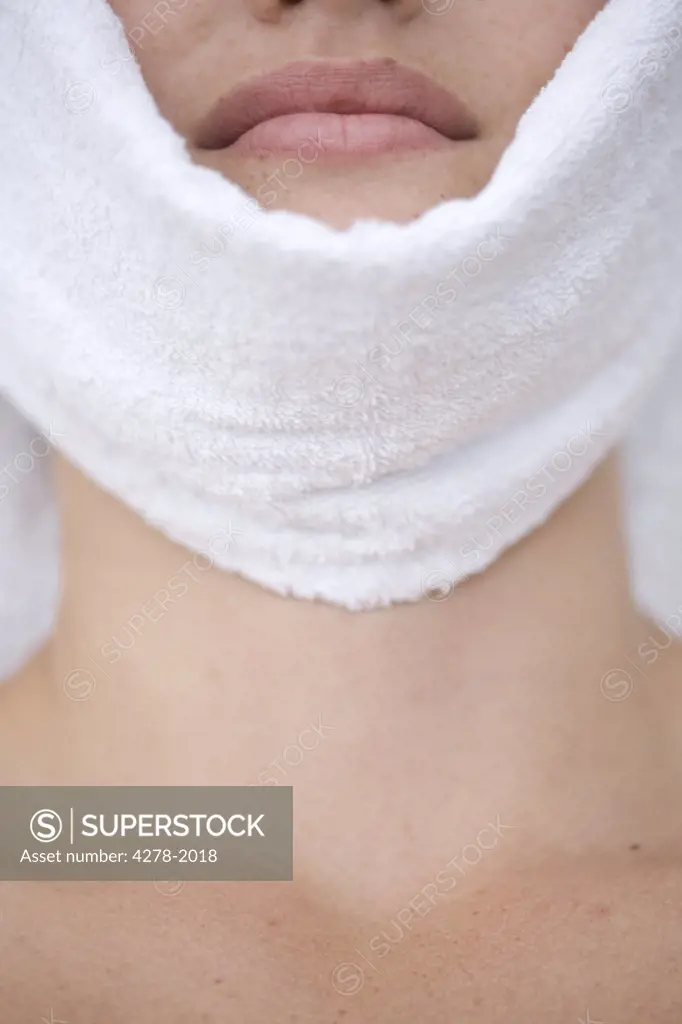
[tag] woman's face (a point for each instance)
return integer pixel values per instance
(356, 134)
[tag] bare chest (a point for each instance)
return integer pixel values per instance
(588, 944)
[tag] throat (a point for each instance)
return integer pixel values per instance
(500, 700)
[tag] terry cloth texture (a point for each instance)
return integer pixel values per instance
(357, 415)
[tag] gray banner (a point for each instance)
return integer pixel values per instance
(146, 833)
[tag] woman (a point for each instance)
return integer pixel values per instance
(487, 808)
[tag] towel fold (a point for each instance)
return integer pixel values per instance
(361, 416)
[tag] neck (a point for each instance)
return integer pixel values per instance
(162, 624)
(182, 674)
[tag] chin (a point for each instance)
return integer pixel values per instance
(395, 187)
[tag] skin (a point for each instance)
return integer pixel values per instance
(437, 717)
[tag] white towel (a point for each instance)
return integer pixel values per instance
(367, 412)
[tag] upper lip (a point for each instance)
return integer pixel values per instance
(340, 87)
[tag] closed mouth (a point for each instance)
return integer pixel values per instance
(363, 103)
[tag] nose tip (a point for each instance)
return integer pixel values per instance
(274, 11)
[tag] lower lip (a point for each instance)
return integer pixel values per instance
(310, 135)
